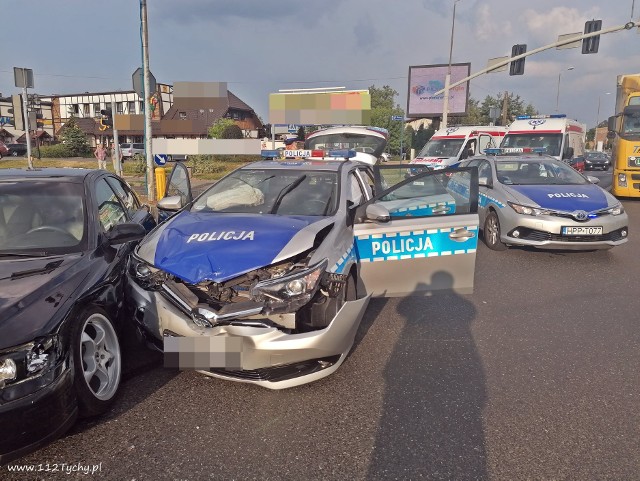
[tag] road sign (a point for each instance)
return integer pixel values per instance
(138, 83)
(292, 128)
(160, 159)
(396, 117)
(23, 77)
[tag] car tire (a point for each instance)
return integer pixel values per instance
(97, 361)
(491, 232)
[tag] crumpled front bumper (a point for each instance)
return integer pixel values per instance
(266, 356)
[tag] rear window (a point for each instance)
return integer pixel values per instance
(138, 146)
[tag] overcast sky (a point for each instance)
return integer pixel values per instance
(260, 46)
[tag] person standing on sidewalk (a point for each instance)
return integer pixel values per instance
(101, 154)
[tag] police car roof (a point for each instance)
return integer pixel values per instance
(303, 164)
(520, 156)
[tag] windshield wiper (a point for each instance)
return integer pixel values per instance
(285, 190)
(26, 254)
(50, 267)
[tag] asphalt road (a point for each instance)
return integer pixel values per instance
(533, 377)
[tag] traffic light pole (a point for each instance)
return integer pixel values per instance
(627, 26)
(151, 178)
(25, 115)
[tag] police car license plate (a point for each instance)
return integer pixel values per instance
(574, 230)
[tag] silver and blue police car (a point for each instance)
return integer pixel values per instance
(265, 276)
(527, 198)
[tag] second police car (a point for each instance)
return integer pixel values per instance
(531, 199)
(265, 276)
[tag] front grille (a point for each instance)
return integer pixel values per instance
(279, 373)
(635, 176)
(541, 236)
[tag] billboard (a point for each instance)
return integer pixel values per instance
(320, 108)
(425, 80)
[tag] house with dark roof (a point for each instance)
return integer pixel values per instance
(170, 120)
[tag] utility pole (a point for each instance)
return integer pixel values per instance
(505, 105)
(116, 143)
(151, 179)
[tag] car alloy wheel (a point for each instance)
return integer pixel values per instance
(14, 153)
(491, 232)
(97, 362)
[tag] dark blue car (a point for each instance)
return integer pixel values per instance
(65, 239)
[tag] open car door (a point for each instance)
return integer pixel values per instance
(177, 194)
(420, 234)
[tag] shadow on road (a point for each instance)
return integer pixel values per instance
(431, 421)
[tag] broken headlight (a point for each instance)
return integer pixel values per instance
(292, 291)
(145, 274)
(22, 362)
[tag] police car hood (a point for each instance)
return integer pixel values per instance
(196, 246)
(568, 198)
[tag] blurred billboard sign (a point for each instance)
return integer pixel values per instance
(424, 80)
(348, 107)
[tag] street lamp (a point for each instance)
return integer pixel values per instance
(595, 132)
(558, 94)
(447, 81)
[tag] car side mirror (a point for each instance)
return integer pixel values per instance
(592, 179)
(611, 126)
(127, 232)
(172, 203)
(568, 154)
(611, 135)
(377, 213)
(485, 182)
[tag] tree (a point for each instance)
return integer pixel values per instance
(74, 139)
(301, 133)
(383, 107)
(218, 127)
(232, 132)
(478, 113)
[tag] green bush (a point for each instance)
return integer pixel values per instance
(136, 165)
(57, 151)
(206, 164)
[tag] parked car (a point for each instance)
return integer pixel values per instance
(16, 150)
(530, 199)
(272, 268)
(4, 150)
(129, 150)
(577, 163)
(65, 239)
(596, 160)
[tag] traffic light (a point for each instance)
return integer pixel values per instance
(516, 67)
(16, 110)
(106, 120)
(591, 44)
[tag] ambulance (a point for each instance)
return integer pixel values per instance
(562, 138)
(451, 145)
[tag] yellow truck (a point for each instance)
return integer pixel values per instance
(624, 131)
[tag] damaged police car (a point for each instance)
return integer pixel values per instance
(264, 278)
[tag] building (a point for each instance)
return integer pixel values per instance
(42, 134)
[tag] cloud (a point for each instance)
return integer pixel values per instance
(558, 20)
(196, 11)
(366, 34)
(486, 27)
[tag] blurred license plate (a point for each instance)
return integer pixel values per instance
(574, 230)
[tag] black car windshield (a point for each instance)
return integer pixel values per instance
(284, 192)
(441, 148)
(41, 217)
(551, 142)
(371, 144)
(595, 155)
(537, 172)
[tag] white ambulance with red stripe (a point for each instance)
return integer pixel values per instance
(452, 145)
(562, 138)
